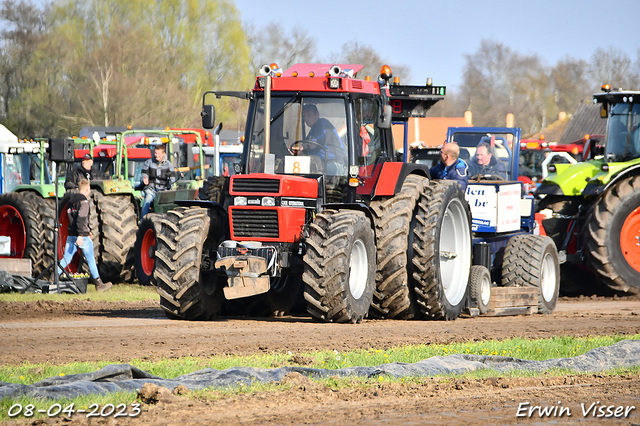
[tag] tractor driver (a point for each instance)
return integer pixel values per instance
(327, 146)
(485, 163)
(157, 175)
(450, 166)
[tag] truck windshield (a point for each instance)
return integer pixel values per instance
(308, 136)
(623, 132)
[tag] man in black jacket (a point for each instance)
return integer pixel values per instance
(157, 175)
(79, 233)
(82, 172)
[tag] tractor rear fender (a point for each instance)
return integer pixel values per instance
(391, 178)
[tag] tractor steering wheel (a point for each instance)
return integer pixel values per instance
(489, 176)
(298, 144)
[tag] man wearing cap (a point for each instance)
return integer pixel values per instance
(83, 172)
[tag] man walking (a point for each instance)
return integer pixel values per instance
(79, 234)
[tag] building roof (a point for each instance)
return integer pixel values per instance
(428, 131)
(586, 120)
(552, 132)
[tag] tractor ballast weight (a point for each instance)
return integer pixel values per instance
(340, 229)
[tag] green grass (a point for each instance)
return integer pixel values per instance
(541, 349)
(118, 293)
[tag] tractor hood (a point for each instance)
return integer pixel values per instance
(570, 180)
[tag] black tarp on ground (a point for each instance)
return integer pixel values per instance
(124, 377)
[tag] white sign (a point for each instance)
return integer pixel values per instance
(296, 165)
(494, 207)
(509, 207)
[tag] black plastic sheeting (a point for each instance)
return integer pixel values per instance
(126, 378)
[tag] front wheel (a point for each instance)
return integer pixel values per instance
(480, 283)
(340, 266)
(145, 249)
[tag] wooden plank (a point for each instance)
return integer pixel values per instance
(513, 301)
(16, 266)
(519, 310)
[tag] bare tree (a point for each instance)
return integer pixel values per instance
(363, 54)
(272, 44)
(613, 66)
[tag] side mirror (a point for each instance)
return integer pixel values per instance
(131, 170)
(208, 115)
(384, 121)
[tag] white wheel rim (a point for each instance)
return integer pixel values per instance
(455, 252)
(548, 278)
(358, 269)
(485, 290)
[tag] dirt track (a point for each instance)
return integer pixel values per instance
(86, 331)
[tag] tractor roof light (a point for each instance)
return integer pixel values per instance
(385, 73)
(334, 82)
(606, 88)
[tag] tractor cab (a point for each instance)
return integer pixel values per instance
(490, 153)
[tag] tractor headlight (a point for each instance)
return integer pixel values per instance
(239, 201)
(268, 201)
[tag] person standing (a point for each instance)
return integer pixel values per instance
(82, 172)
(79, 234)
(451, 167)
(157, 175)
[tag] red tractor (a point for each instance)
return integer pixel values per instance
(537, 156)
(321, 215)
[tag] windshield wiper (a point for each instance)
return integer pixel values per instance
(285, 106)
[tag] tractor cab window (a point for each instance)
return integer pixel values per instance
(623, 133)
(308, 135)
(486, 154)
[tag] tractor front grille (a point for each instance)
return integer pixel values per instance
(256, 185)
(254, 223)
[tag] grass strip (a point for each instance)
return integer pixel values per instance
(118, 293)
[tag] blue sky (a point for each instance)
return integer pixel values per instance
(432, 37)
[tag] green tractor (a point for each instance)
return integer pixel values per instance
(592, 209)
(27, 202)
(185, 150)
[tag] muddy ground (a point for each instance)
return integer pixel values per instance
(58, 332)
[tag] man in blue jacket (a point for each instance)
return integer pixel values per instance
(450, 166)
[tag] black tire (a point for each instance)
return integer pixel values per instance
(213, 188)
(394, 224)
(480, 288)
(118, 222)
(532, 260)
(94, 225)
(339, 272)
(20, 220)
(610, 236)
(186, 291)
(442, 250)
(145, 247)
(48, 216)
